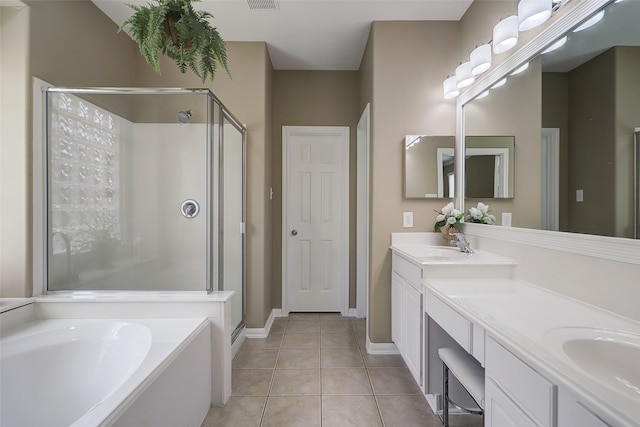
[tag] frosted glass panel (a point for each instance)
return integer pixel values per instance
(119, 168)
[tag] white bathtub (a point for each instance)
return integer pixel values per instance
(82, 372)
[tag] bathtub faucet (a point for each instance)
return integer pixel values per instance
(462, 243)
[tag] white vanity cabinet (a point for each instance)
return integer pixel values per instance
(406, 314)
(516, 392)
(572, 412)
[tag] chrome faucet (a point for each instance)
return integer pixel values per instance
(462, 243)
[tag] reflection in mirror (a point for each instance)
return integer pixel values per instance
(423, 166)
(573, 111)
(489, 167)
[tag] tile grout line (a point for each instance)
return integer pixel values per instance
(373, 392)
(273, 377)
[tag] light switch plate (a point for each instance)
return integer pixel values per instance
(506, 219)
(407, 219)
(579, 196)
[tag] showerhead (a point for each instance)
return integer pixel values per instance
(184, 116)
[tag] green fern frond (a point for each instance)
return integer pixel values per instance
(197, 46)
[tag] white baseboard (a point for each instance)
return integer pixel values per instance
(381, 348)
(277, 312)
(264, 332)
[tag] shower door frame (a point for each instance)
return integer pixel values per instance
(225, 114)
(40, 211)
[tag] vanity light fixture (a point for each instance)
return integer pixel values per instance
(480, 59)
(450, 88)
(590, 22)
(532, 13)
(505, 34)
(499, 84)
(483, 94)
(555, 46)
(520, 69)
(464, 76)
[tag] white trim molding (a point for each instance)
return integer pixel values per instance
(611, 248)
(381, 348)
(263, 332)
(550, 153)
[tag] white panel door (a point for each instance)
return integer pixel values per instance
(315, 218)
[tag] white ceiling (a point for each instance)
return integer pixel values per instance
(309, 34)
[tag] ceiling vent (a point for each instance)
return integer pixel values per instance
(263, 4)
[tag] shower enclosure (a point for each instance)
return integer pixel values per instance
(144, 191)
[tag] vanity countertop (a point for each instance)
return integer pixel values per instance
(428, 249)
(422, 254)
(543, 327)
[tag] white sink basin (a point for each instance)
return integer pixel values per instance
(434, 253)
(610, 357)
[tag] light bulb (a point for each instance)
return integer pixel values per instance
(590, 22)
(532, 13)
(480, 59)
(505, 34)
(556, 45)
(450, 88)
(520, 69)
(464, 77)
(499, 84)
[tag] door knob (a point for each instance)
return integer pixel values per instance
(294, 232)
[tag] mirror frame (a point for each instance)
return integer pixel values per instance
(612, 248)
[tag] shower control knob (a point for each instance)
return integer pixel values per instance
(294, 232)
(190, 208)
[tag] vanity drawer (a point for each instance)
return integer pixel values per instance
(528, 389)
(409, 272)
(457, 326)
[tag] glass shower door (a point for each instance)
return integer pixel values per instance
(128, 191)
(232, 217)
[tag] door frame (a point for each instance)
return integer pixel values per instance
(550, 175)
(344, 132)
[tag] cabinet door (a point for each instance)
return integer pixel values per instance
(412, 340)
(500, 411)
(526, 387)
(396, 310)
(572, 412)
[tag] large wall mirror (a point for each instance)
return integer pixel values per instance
(574, 112)
(429, 170)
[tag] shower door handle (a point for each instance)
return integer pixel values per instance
(294, 232)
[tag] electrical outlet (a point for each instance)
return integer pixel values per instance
(579, 196)
(407, 219)
(506, 219)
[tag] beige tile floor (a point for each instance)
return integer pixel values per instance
(313, 370)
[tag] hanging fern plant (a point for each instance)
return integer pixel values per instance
(176, 29)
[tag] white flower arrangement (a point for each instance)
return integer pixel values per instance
(448, 215)
(480, 215)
